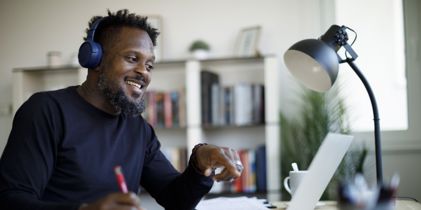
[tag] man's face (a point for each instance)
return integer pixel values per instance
(125, 70)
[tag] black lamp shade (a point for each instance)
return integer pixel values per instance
(313, 63)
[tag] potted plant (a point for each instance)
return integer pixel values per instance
(199, 49)
(303, 134)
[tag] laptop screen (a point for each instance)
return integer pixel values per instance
(320, 172)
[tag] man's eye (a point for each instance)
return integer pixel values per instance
(149, 67)
(131, 59)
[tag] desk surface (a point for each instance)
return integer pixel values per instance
(331, 205)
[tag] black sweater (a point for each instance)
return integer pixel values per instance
(62, 150)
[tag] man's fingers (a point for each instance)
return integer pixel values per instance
(208, 171)
(228, 160)
(226, 175)
(223, 176)
(129, 199)
(231, 161)
(210, 158)
(115, 201)
(233, 157)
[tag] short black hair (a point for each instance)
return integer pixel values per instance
(119, 19)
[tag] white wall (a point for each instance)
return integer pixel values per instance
(32, 28)
(29, 29)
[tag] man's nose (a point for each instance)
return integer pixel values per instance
(141, 69)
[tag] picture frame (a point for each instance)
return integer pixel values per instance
(156, 22)
(247, 42)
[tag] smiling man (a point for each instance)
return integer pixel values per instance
(65, 143)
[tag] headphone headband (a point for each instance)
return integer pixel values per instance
(91, 31)
(90, 52)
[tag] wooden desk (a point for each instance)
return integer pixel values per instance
(331, 205)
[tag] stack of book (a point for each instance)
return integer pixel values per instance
(241, 104)
(165, 109)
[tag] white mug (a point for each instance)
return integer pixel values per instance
(293, 180)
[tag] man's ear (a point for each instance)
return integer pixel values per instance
(97, 68)
(94, 71)
(100, 65)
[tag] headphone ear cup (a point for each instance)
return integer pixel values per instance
(90, 54)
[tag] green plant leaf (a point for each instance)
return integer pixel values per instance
(302, 135)
(199, 44)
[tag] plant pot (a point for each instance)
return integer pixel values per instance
(200, 54)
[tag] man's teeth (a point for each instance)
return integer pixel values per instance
(134, 84)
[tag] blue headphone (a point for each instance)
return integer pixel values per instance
(90, 52)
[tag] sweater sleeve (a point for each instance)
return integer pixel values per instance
(171, 189)
(29, 157)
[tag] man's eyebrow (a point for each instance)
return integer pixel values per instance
(151, 56)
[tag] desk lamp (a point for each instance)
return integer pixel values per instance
(315, 62)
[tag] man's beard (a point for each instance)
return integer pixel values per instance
(118, 99)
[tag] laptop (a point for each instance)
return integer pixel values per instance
(320, 172)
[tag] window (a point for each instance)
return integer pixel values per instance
(380, 46)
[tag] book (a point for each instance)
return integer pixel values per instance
(168, 111)
(251, 178)
(215, 104)
(228, 106)
(160, 112)
(165, 108)
(207, 79)
(261, 168)
(243, 104)
(258, 100)
(182, 108)
(151, 109)
(175, 103)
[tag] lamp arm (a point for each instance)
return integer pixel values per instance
(377, 141)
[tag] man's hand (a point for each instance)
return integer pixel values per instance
(115, 201)
(209, 157)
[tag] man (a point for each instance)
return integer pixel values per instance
(64, 144)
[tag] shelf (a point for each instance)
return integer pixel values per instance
(186, 75)
(216, 59)
(27, 81)
(47, 68)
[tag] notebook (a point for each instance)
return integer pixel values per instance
(321, 170)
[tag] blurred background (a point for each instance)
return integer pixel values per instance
(388, 44)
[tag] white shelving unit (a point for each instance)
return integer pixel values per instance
(176, 75)
(27, 81)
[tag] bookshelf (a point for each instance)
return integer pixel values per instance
(27, 81)
(185, 75)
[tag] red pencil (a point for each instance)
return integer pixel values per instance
(120, 179)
